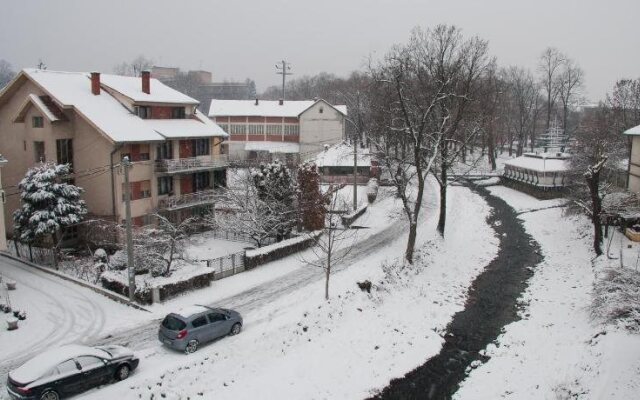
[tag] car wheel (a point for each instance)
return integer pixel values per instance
(192, 346)
(49, 395)
(235, 329)
(122, 372)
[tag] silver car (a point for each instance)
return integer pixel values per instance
(189, 328)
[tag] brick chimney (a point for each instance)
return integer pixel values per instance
(281, 101)
(146, 82)
(95, 83)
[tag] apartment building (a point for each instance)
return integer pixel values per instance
(284, 129)
(92, 121)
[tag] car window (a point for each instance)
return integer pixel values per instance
(65, 368)
(200, 321)
(89, 362)
(215, 317)
(173, 323)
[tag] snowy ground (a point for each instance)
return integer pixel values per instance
(556, 351)
(345, 348)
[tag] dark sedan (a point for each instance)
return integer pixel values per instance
(70, 370)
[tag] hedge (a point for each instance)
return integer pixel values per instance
(276, 251)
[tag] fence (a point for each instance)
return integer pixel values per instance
(38, 255)
(240, 237)
(226, 266)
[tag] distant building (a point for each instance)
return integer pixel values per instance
(335, 164)
(292, 130)
(200, 85)
(634, 162)
(92, 121)
(539, 174)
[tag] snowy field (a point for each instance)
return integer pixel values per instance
(557, 351)
(347, 347)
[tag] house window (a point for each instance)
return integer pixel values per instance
(38, 150)
(256, 129)
(136, 152)
(321, 110)
(224, 148)
(177, 113)
(165, 185)
(164, 151)
(238, 129)
(143, 112)
(64, 151)
(145, 189)
(37, 122)
(201, 147)
(224, 127)
(201, 181)
(291, 129)
(274, 129)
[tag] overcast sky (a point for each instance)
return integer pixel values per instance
(240, 39)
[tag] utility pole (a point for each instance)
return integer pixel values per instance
(126, 164)
(284, 71)
(355, 172)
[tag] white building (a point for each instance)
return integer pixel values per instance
(262, 129)
(538, 171)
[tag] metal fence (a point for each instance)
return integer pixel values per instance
(240, 237)
(38, 255)
(225, 266)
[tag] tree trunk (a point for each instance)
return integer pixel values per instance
(411, 243)
(443, 201)
(593, 181)
(491, 151)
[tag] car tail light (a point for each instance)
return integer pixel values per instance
(182, 334)
(23, 390)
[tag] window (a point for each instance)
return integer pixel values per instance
(224, 149)
(173, 323)
(66, 368)
(38, 150)
(224, 127)
(274, 129)
(291, 129)
(143, 112)
(37, 122)
(177, 113)
(164, 151)
(238, 129)
(321, 110)
(256, 129)
(216, 317)
(145, 189)
(136, 152)
(200, 321)
(64, 151)
(201, 147)
(201, 181)
(89, 362)
(165, 185)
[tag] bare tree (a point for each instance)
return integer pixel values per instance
(549, 66)
(522, 97)
(135, 67)
(6, 73)
(570, 83)
(334, 245)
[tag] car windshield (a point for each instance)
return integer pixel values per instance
(173, 324)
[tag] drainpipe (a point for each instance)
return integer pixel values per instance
(113, 187)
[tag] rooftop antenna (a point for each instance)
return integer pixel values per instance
(283, 68)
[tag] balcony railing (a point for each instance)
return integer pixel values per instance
(193, 163)
(189, 200)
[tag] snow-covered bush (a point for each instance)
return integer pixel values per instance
(276, 189)
(118, 260)
(100, 256)
(616, 298)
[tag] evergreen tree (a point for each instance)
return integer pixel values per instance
(49, 204)
(276, 191)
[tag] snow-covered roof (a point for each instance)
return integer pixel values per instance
(186, 128)
(106, 113)
(191, 310)
(132, 88)
(633, 131)
(543, 162)
(39, 104)
(44, 362)
(341, 155)
(273, 147)
(264, 108)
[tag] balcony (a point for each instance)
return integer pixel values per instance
(192, 164)
(189, 200)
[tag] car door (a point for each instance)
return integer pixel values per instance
(218, 322)
(200, 329)
(94, 371)
(67, 378)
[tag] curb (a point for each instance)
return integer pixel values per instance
(97, 289)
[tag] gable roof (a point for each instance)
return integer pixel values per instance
(48, 109)
(106, 113)
(633, 131)
(131, 87)
(265, 108)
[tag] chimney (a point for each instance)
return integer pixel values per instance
(256, 101)
(95, 83)
(281, 101)
(146, 82)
